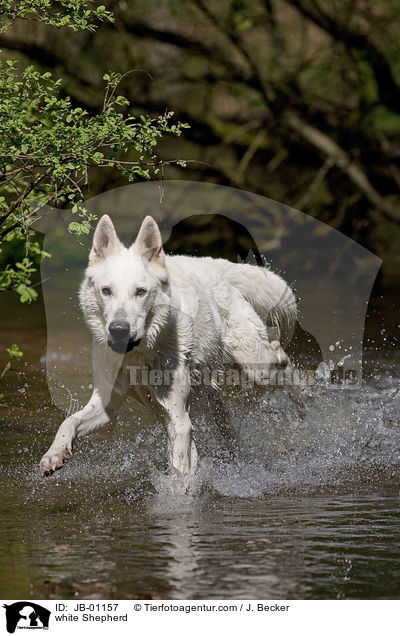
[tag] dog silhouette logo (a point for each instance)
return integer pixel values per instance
(26, 615)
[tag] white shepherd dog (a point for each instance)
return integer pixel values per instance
(173, 315)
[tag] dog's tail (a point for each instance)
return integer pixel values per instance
(270, 296)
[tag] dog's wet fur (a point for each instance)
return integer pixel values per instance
(180, 313)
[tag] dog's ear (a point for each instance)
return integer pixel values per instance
(105, 240)
(148, 243)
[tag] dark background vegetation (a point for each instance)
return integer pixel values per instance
(297, 100)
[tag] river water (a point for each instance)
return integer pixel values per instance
(309, 508)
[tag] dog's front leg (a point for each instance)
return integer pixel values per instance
(92, 415)
(97, 412)
(182, 450)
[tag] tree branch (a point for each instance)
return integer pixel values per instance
(343, 161)
(28, 189)
(389, 91)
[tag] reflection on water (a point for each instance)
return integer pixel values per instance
(321, 546)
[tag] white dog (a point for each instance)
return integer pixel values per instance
(170, 315)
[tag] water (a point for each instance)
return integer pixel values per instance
(309, 509)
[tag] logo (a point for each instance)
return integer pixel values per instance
(26, 615)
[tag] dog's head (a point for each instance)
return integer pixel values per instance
(123, 285)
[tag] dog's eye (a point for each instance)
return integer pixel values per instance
(141, 291)
(106, 291)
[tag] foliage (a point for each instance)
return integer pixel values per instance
(14, 352)
(298, 100)
(64, 13)
(49, 147)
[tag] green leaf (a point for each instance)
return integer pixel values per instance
(14, 351)
(122, 101)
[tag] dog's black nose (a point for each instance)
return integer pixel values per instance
(119, 328)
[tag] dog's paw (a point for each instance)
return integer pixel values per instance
(54, 459)
(50, 463)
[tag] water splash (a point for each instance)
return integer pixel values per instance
(342, 440)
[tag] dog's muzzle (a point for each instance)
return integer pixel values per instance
(119, 339)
